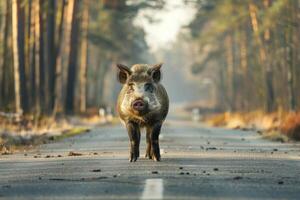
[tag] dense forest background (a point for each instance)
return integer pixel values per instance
(55, 55)
(250, 49)
(58, 57)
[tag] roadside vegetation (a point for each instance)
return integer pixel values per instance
(57, 58)
(277, 126)
(21, 134)
(248, 53)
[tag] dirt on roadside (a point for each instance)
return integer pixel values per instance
(19, 135)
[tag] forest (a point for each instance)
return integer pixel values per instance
(253, 48)
(150, 99)
(55, 54)
(58, 57)
(250, 52)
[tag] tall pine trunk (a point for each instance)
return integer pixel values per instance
(51, 54)
(41, 56)
(3, 64)
(38, 56)
(290, 56)
(16, 63)
(72, 66)
(83, 61)
(230, 71)
(264, 63)
(63, 55)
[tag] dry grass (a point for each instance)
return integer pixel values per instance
(277, 126)
(275, 136)
(30, 125)
(291, 126)
(253, 120)
(16, 135)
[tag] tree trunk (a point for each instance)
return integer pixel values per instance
(41, 56)
(244, 69)
(16, 57)
(64, 51)
(31, 57)
(39, 71)
(29, 43)
(230, 73)
(290, 49)
(266, 68)
(2, 29)
(223, 100)
(51, 54)
(21, 51)
(3, 64)
(83, 63)
(72, 69)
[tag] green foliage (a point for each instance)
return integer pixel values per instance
(256, 41)
(114, 32)
(53, 62)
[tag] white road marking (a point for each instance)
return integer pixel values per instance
(153, 189)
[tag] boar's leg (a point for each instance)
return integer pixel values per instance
(148, 140)
(155, 152)
(134, 137)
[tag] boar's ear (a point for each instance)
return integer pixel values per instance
(155, 72)
(124, 73)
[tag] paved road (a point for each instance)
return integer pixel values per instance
(197, 163)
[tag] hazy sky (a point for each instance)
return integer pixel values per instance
(168, 22)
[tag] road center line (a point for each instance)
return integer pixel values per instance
(153, 189)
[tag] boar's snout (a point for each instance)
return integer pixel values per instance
(139, 105)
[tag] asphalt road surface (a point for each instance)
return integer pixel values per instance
(198, 162)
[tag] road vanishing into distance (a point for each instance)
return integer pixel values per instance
(198, 162)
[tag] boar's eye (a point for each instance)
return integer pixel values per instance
(149, 87)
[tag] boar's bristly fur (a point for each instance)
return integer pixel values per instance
(142, 102)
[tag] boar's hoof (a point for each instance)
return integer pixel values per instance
(134, 156)
(148, 155)
(155, 156)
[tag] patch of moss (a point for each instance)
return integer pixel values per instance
(70, 133)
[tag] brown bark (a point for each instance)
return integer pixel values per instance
(18, 105)
(244, 70)
(21, 51)
(39, 71)
(265, 64)
(28, 50)
(41, 56)
(31, 57)
(230, 70)
(72, 64)
(83, 63)
(51, 54)
(64, 51)
(290, 56)
(3, 64)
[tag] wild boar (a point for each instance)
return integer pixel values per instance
(142, 103)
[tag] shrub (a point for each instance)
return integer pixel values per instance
(291, 126)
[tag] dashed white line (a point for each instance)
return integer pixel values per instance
(153, 189)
